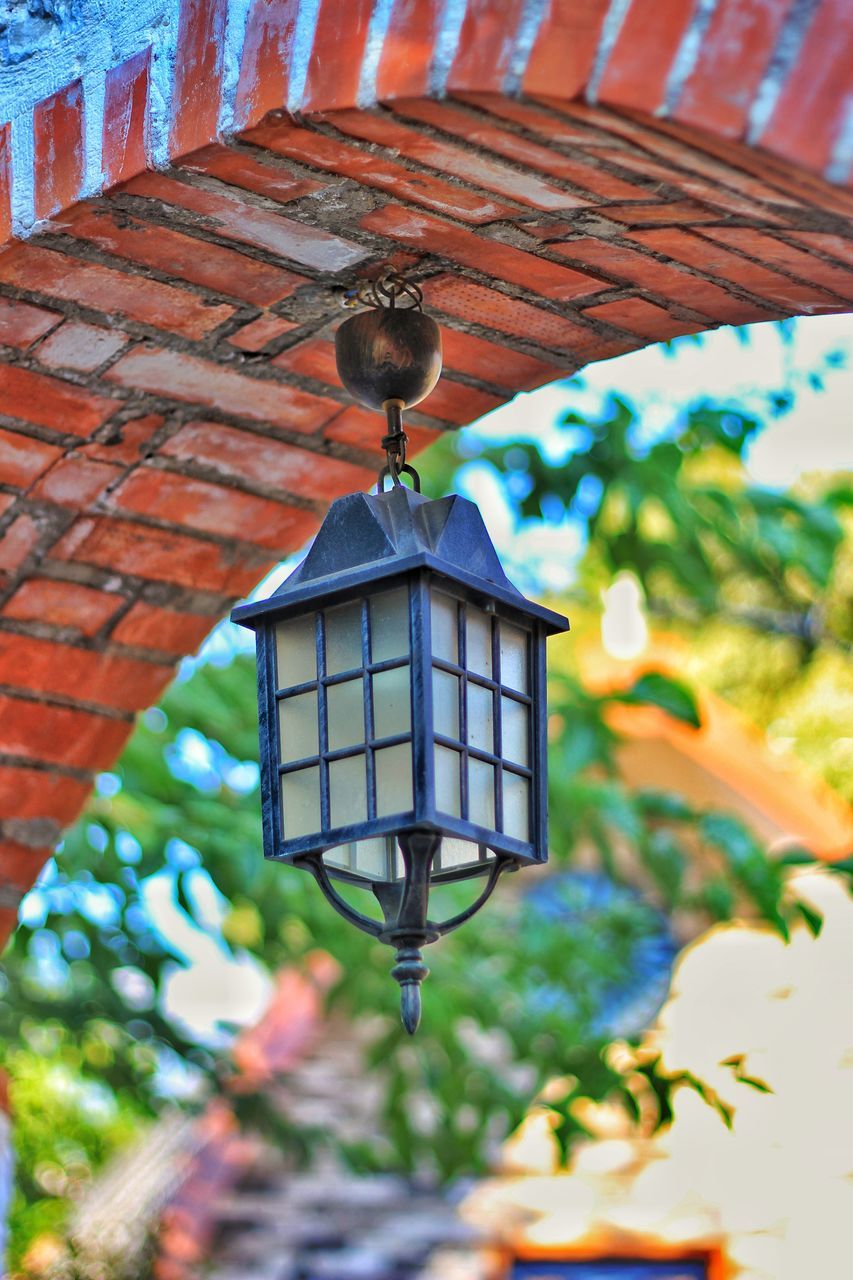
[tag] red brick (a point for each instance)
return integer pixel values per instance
(334, 67)
(58, 146)
(552, 127)
(642, 318)
(675, 213)
(175, 254)
(375, 171)
(60, 735)
(697, 251)
(361, 429)
(834, 246)
(124, 546)
(75, 482)
(639, 64)
(62, 604)
(404, 64)
(769, 249)
(495, 259)
(51, 667)
(258, 333)
(22, 459)
(264, 69)
(6, 501)
(564, 50)
(475, 303)
(241, 455)
(21, 323)
(125, 137)
(162, 306)
(198, 78)
(486, 43)
(454, 402)
(512, 370)
(19, 864)
(8, 923)
(733, 56)
(241, 169)
(211, 508)
(40, 793)
(5, 182)
(128, 441)
(19, 539)
(82, 347)
(813, 106)
(663, 278)
(185, 377)
(520, 151)
(471, 167)
(314, 358)
(146, 626)
(236, 220)
(49, 402)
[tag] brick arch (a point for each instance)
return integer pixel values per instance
(171, 418)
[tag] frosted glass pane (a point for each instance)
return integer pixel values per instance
(445, 630)
(372, 857)
(348, 790)
(343, 638)
(296, 652)
(458, 853)
(345, 713)
(478, 655)
(513, 657)
(445, 703)
(393, 766)
(392, 702)
(297, 718)
(389, 625)
(481, 727)
(516, 806)
(481, 793)
(514, 731)
(300, 802)
(340, 856)
(447, 793)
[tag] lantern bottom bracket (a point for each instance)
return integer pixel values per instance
(404, 903)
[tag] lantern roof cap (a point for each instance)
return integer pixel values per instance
(368, 537)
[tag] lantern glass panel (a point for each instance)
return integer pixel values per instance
(515, 731)
(478, 656)
(393, 766)
(481, 728)
(300, 802)
(445, 703)
(445, 627)
(516, 800)
(348, 790)
(296, 652)
(343, 638)
(389, 625)
(297, 717)
(481, 793)
(513, 657)
(345, 711)
(392, 702)
(448, 795)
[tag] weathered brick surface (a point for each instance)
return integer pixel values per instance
(172, 417)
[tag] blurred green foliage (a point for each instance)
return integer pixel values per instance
(750, 575)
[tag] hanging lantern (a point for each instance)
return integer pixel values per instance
(401, 680)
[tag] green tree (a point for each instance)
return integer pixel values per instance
(527, 991)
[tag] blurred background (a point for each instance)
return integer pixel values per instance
(638, 1062)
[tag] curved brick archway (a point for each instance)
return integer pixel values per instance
(171, 418)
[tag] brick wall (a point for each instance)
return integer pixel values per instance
(170, 418)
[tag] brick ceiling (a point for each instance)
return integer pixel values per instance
(172, 423)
